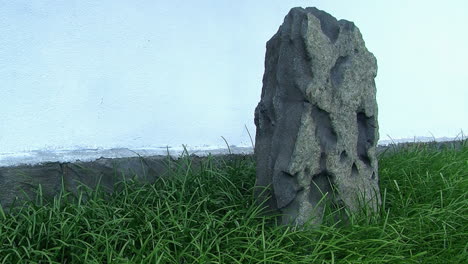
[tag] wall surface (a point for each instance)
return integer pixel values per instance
(80, 76)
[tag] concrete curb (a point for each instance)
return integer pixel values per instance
(16, 179)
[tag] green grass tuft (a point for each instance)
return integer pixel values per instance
(207, 214)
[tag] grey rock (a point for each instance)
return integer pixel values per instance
(317, 127)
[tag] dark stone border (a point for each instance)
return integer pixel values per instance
(16, 179)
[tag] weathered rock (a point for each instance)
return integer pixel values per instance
(317, 119)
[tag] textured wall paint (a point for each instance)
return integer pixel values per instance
(118, 74)
(146, 74)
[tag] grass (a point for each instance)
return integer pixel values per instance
(208, 215)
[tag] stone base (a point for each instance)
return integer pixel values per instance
(21, 182)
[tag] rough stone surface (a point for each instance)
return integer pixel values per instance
(19, 184)
(317, 119)
(22, 182)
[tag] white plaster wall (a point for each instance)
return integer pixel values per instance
(81, 74)
(106, 74)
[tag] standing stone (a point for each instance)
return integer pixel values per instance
(317, 119)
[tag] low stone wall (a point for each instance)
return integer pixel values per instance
(16, 179)
(49, 175)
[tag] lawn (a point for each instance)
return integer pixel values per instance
(208, 214)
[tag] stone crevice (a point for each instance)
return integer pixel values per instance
(338, 70)
(324, 130)
(366, 137)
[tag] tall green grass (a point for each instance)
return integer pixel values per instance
(207, 214)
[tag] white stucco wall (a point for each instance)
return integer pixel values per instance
(117, 74)
(147, 74)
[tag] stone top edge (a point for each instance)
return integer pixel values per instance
(39, 157)
(315, 11)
